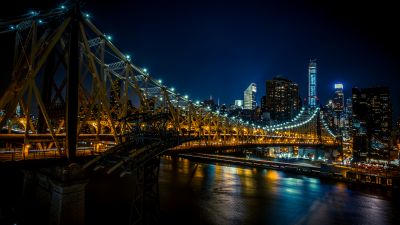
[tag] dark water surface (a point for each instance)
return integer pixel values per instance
(194, 193)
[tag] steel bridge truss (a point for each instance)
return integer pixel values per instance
(113, 97)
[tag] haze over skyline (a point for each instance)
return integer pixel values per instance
(218, 48)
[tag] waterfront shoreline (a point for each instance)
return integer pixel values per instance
(311, 171)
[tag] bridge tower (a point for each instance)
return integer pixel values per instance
(72, 83)
(319, 128)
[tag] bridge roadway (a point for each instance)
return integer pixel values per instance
(189, 147)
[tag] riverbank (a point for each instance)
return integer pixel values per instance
(326, 172)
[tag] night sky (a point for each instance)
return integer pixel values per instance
(217, 48)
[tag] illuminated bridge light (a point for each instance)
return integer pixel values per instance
(172, 89)
(87, 15)
(145, 70)
(186, 96)
(160, 81)
(62, 7)
(109, 37)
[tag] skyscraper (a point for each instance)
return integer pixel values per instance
(312, 83)
(18, 110)
(372, 122)
(210, 103)
(338, 99)
(263, 103)
(239, 103)
(250, 97)
(282, 99)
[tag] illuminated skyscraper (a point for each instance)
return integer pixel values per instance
(312, 83)
(338, 99)
(250, 97)
(239, 103)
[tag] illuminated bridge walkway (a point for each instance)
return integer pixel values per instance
(74, 93)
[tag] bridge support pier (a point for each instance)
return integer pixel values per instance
(54, 196)
(67, 204)
(145, 205)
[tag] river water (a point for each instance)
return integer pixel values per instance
(196, 193)
(216, 194)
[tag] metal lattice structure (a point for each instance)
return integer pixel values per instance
(76, 91)
(73, 92)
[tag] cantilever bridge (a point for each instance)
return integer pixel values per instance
(73, 91)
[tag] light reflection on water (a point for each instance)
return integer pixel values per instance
(192, 193)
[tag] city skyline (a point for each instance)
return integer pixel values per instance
(236, 43)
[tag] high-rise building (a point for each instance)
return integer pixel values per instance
(282, 99)
(312, 83)
(338, 99)
(115, 96)
(372, 121)
(239, 103)
(210, 103)
(346, 131)
(349, 106)
(263, 103)
(223, 109)
(250, 97)
(18, 110)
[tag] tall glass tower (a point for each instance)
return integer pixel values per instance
(338, 99)
(312, 83)
(250, 97)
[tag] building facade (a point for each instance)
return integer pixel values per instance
(282, 100)
(372, 122)
(250, 97)
(312, 83)
(338, 99)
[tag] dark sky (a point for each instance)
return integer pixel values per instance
(218, 48)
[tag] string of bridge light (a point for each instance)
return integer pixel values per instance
(286, 127)
(25, 21)
(327, 128)
(297, 117)
(144, 72)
